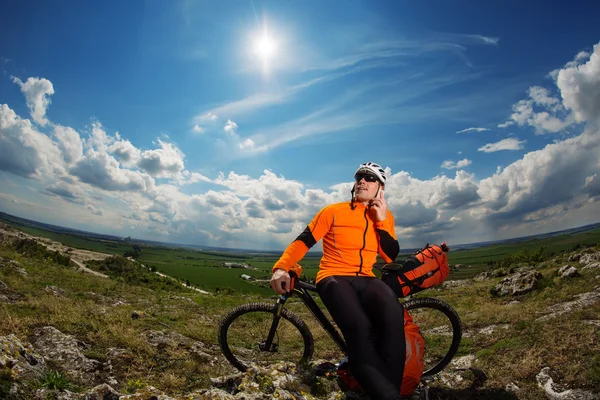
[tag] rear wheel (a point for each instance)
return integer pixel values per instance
(441, 328)
(243, 332)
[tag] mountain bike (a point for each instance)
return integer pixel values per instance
(263, 333)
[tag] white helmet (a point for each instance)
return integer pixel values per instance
(372, 169)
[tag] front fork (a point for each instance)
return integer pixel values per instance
(268, 344)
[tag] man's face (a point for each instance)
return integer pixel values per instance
(366, 187)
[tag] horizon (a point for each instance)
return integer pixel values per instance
(311, 252)
(231, 124)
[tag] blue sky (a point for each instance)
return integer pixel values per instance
(231, 123)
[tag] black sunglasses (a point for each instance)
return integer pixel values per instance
(367, 177)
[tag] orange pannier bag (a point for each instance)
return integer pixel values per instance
(413, 362)
(426, 268)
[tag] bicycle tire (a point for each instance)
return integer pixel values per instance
(454, 319)
(295, 320)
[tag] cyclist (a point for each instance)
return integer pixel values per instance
(365, 309)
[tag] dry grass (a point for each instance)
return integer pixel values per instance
(99, 312)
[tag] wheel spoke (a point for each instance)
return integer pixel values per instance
(243, 334)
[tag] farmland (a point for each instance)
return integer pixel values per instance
(205, 269)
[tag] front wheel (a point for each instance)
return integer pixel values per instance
(441, 328)
(243, 333)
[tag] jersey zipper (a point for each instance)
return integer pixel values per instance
(364, 242)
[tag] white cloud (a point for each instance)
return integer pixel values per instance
(198, 129)
(542, 178)
(579, 84)
(23, 150)
(455, 165)
(247, 144)
(125, 152)
(504, 144)
(243, 106)
(98, 138)
(94, 210)
(541, 111)
(268, 211)
(102, 171)
(166, 162)
(506, 124)
(580, 87)
(69, 142)
(473, 130)
(36, 93)
(194, 177)
(207, 116)
(230, 127)
(579, 58)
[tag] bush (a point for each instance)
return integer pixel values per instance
(32, 248)
(131, 272)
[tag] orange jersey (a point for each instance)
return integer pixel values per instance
(351, 241)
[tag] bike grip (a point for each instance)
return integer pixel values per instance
(293, 278)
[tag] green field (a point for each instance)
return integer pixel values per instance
(205, 270)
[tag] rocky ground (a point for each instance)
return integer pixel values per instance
(46, 348)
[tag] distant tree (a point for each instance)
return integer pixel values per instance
(135, 253)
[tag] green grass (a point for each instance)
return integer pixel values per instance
(56, 380)
(567, 344)
(204, 269)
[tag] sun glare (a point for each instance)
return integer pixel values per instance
(265, 49)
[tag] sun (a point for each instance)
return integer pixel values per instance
(265, 49)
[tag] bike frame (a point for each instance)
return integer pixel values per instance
(302, 290)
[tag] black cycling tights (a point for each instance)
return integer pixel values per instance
(372, 321)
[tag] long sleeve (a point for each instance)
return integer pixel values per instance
(388, 243)
(314, 232)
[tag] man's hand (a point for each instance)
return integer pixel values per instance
(280, 278)
(378, 207)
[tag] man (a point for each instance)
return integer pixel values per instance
(365, 309)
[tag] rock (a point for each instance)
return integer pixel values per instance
(512, 388)
(164, 340)
(279, 381)
(488, 330)
(463, 362)
(137, 314)
(517, 284)
(526, 268)
(20, 358)
(483, 276)
(7, 295)
(590, 258)
(593, 265)
(54, 290)
(65, 351)
(568, 271)
(574, 257)
(101, 392)
(43, 394)
(581, 301)
(545, 382)
(456, 284)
